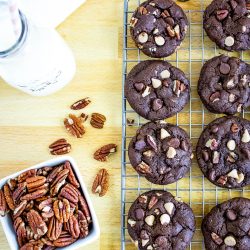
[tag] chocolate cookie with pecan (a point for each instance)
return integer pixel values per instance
(227, 23)
(156, 90)
(158, 220)
(227, 226)
(224, 85)
(158, 27)
(161, 152)
(223, 152)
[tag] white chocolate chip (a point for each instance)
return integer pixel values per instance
(152, 4)
(165, 74)
(157, 211)
(245, 137)
(149, 247)
(156, 83)
(144, 242)
(230, 84)
(171, 152)
(241, 178)
(159, 40)
(143, 37)
(231, 97)
(216, 157)
(230, 241)
(148, 153)
(131, 222)
(229, 41)
(169, 206)
(164, 134)
(244, 28)
(208, 143)
(244, 80)
(146, 92)
(155, 31)
(233, 174)
(159, 194)
(239, 108)
(177, 31)
(231, 145)
(150, 220)
(165, 219)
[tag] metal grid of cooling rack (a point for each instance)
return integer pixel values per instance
(194, 189)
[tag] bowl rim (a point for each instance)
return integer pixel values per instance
(95, 230)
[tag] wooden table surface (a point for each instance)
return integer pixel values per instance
(29, 124)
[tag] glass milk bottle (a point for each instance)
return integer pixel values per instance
(35, 60)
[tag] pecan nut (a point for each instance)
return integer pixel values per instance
(19, 227)
(19, 209)
(8, 196)
(53, 174)
(97, 120)
(46, 208)
(3, 204)
(71, 175)
(73, 226)
(33, 245)
(35, 195)
(23, 176)
(35, 182)
(19, 192)
(62, 210)
(44, 171)
(81, 104)
(84, 207)
(74, 125)
(60, 147)
(70, 193)
(58, 182)
(83, 117)
(83, 224)
(103, 153)
(64, 239)
(54, 229)
(36, 223)
(12, 184)
(101, 182)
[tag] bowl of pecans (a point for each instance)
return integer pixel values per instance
(47, 206)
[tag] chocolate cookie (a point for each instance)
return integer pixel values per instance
(227, 226)
(223, 152)
(161, 152)
(158, 27)
(158, 220)
(227, 23)
(156, 89)
(224, 85)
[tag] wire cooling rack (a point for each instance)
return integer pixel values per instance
(194, 189)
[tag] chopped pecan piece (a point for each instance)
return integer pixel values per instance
(36, 223)
(60, 147)
(62, 210)
(73, 226)
(35, 182)
(74, 125)
(81, 104)
(54, 229)
(97, 120)
(83, 224)
(65, 239)
(101, 182)
(70, 193)
(102, 153)
(58, 182)
(3, 204)
(8, 196)
(71, 175)
(29, 173)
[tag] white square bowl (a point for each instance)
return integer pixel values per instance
(94, 231)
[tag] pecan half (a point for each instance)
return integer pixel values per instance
(19, 209)
(83, 224)
(36, 223)
(60, 147)
(33, 245)
(53, 174)
(84, 207)
(65, 239)
(35, 195)
(8, 196)
(54, 229)
(29, 173)
(74, 125)
(46, 208)
(58, 182)
(19, 192)
(73, 226)
(44, 171)
(12, 184)
(97, 120)
(103, 153)
(81, 104)
(3, 204)
(35, 182)
(30, 234)
(19, 227)
(70, 193)
(101, 182)
(62, 210)
(71, 175)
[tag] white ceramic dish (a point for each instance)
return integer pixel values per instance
(95, 230)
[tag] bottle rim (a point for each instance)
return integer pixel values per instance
(20, 41)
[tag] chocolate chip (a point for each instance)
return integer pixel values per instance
(139, 213)
(139, 145)
(205, 155)
(157, 104)
(162, 242)
(184, 145)
(151, 142)
(174, 142)
(246, 152)
(231, 215)
(215, 97)
(139, 86)
(144, 235)
(166, 82)
(214, 129)
(221, 14)
(224, 68)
